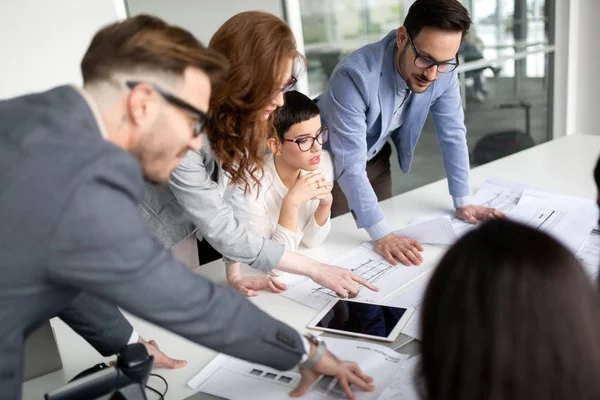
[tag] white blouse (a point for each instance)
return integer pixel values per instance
(264, 209)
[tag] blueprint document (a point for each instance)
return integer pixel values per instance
(444, 228)
(494, 193)
(568, 219)
(365, 262)
(235, 379)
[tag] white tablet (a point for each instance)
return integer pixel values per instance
(365, 320)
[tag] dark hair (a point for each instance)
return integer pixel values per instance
(447, 15)
(597, 174)
(257, 45)
(509, 313)
(146, 43)
(296, 108)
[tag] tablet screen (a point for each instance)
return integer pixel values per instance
(363, 318)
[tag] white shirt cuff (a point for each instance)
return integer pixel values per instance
(461, 201)
(306, 348)
(134, 337)
(379, 230)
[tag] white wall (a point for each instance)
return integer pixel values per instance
(586, 66)
(42, 42)
(201, 17)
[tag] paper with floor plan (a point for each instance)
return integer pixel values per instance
(568, 219)
(403, 384)
(495, 193)
(365, 262)
(235, 379)
(589, 254)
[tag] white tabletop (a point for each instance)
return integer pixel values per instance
(564, 166)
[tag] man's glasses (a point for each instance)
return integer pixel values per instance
(307, 143)
(202, 117)
(426, 63)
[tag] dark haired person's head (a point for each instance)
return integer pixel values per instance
(299, 133)
(429, 40)
(509, 314)
(152, 82)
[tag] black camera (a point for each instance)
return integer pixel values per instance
(125, 381)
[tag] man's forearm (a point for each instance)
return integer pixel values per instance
(99, 322)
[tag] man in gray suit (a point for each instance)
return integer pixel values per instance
(72, 164)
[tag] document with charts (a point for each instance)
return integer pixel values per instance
(235, 379)
(365, 262)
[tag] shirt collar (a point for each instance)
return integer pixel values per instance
(94, 108)
(400, 83)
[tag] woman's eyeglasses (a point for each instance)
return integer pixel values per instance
(289, 85)
(306, 143)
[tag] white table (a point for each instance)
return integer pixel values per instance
(564, 165)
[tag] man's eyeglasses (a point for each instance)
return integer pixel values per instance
(307, 143)
(426, 63)
(202, 117)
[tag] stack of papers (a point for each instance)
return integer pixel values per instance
(235, 379)
(568, 219)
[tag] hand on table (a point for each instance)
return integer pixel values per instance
(472, 214)
(251, 285)
(347, 373)
(403, 249)
(161, 360)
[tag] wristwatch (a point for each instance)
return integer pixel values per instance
(319, 353)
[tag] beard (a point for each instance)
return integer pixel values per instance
(156, 158)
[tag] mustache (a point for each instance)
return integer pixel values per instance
(424, 78)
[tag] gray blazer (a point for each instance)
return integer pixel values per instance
(69, 206)
(195, 200)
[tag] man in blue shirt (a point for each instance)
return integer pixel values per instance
(384, 91)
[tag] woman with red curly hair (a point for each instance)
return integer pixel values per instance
(261, 51)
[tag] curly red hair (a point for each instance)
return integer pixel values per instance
(258, 46)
